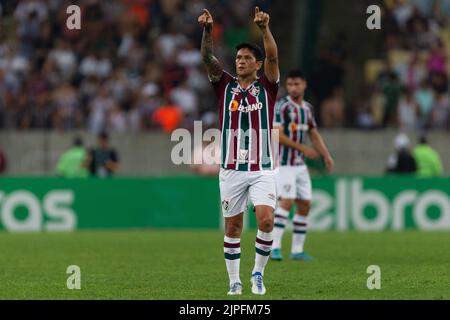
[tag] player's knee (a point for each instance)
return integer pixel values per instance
(233, 230)
(266, 224)
(286, 204)
(303, 207)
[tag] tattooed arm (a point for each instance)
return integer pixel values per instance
(213, 65)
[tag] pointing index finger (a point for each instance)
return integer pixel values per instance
(205, 11)
(256, 10)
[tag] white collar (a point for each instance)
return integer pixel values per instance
(295, 103)
(249, 87)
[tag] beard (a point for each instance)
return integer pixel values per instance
(296, 96)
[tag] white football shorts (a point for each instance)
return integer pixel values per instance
(294, 182)
(237, 186)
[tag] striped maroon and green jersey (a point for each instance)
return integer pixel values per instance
(297, 121)
(246, 121)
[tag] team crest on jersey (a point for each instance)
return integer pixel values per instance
(254, 91)
(234, 105)
(287, 187)
(243, 156)
(292, 115)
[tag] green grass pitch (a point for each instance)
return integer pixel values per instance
(155, 264)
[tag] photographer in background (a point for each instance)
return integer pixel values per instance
(103, 160)
(402, 162)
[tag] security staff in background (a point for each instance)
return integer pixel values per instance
(428, 161)
(104, 161)
(73, 162)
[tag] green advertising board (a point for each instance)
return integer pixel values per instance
(339, 203)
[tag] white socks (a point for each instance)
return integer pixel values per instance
(281, 217)
(299, 235)
(232, 252)
(263, 246)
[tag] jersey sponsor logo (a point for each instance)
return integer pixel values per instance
(235, 106)
(295, 127)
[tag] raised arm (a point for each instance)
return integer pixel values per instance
(212, 64)
(271, 69)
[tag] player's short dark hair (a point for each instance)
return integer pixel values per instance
(78, 141)
(423, 139)
(103, 135)
(255, 49)
(296, 73)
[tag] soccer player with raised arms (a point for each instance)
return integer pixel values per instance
(246, 108)
(295, 120)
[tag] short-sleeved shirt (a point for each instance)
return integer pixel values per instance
(99, 159)
(246, 121)
(297, 120)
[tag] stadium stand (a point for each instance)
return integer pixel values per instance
(408, 84)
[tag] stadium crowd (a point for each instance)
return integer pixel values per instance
(135, 65)
(411, 88)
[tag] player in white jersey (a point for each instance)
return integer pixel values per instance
(294, 119)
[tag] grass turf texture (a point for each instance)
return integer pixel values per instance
(154, 264)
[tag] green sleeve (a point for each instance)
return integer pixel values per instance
(438, 164)
(61, 166)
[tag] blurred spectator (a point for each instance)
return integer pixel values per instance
(66, 107)
(411, 74)
(328, 75)
(96, 66)
(402, 162)
(392, 93)
(407, 112)
(186, 98)
(103, 160)
(425, 101)
(377, 107)
(117, 121)
(437, 61)
(73, 162)
(65, 60)
(101, 106)
(332, 110)
(440, 114)
(429, 162)
(168, 117)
